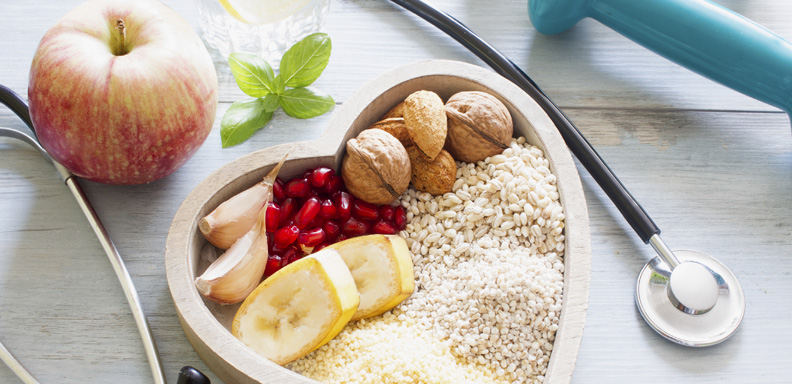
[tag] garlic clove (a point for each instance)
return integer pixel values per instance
(237, 215)
(238, 271)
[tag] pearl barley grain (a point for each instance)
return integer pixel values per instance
(488, 264)
(512, 286)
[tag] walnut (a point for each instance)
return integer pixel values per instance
(479, 126)
(376, 167)
(395, 126)
(426, 121)
(433, 176)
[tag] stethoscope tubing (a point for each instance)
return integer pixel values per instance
(20, 108)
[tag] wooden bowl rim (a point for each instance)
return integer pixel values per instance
(232, 361)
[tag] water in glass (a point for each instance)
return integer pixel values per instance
(263, 27)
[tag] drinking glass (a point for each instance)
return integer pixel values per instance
(263, 27)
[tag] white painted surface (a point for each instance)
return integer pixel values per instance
(712, 167)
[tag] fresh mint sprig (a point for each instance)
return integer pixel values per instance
(300, 66)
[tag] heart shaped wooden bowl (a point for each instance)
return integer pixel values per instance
(207, 325)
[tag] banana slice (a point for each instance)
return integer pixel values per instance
(383, 271)
(299, 308)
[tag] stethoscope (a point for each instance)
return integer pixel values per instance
(688, 297)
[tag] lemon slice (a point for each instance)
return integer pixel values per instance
(259, 12)
(299, 308)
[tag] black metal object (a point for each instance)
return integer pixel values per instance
(190, 375)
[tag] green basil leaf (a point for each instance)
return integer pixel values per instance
(271, 102)
(302, 64)
(253, 75)
(280, 85)
(242, 120)
(305, 103)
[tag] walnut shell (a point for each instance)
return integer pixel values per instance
(376, 167)
(395, 126)
(397, 111)
(479, 126)
(426, 121)
(433, 176)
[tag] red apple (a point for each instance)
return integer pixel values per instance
(122, 92)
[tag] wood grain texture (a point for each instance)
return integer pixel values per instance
(712, 167)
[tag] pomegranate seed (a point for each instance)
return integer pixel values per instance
(384, 228)
(287, 211)
(364, 211)
(270, 242)
(341, 238)
(321, 176)
(334, 184)
(319, 247)
(297, 188)
(307, 213)
(274, 249)
(343, 203)
(331, 229)
(328, 210)
(386, 212)
(400, 218)
(278, 192)
(272, 216)
(308, 173)
(317, 222)
(311, 238)
(274, 263)
(354, 227)
(291, 255)
(311, 194)
(286, 235)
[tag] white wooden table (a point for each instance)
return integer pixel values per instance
(712, 167)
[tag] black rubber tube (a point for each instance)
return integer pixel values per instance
(16, 104)
(635, 215)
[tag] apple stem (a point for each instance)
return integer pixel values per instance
(119, 38)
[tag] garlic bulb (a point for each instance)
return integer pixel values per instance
(238, 271)
(235, 216)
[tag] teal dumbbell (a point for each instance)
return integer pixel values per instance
(697, 34)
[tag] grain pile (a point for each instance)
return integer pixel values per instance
(489, 280)
(389, 349)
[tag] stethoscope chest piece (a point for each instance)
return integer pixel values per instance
(700, 303)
